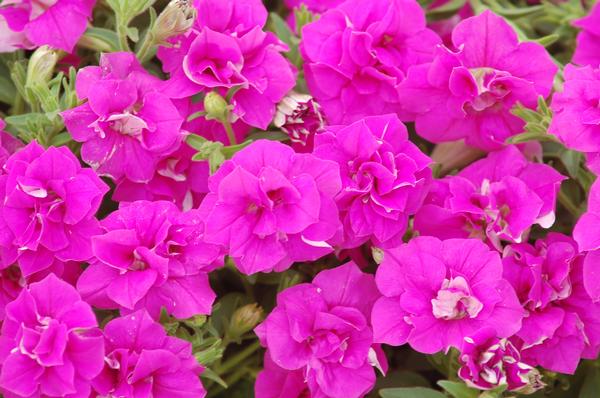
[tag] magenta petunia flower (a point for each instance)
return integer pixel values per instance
(33, 23)
(436, 293)
(269, 206)
(50, 344)
(49, 203)
(127, 124)
(488, 362)
(576, 116)
(357, 53)
(142, 361)
(385, 178)
(587, 51)
(323, 328)
(495, 199)
(151, 255)
(225, 50)
(562, 323)
(276, 382)
(468, 94)
(11, 284)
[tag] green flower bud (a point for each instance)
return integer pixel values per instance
(41, 65)
(244, 319)
(216, 107)
(176, 19)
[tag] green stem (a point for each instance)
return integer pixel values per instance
(144, 54)
(229, 131)
(122, 33)
(568, 204)
(237, 358)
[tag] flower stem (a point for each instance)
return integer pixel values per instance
(122, 33)
(237, 358)
(229, 131)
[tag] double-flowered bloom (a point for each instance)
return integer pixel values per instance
(323, 329)
(269, 207)
(436, 293)
(151, 255)
(127, 124)
(48, 212)
(385, 178)
(495, 199)
(357, 54)
(142, 361)
(587, 51)
(50, 344)
(469, 93)
(228, 50)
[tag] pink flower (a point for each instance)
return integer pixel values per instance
(33, 23)
(276, 382)
(469, 93)
(150, 256)
(562, 324)
(587, 51)
(142, 361)
(488, 362)
(299, 116)
(8, 145)
(576, 116)
(323, 328)
(49, 207)
(436, 293)
(11, 284)
(269, 207)
(50, 344)
(496, 199)
(444, 27)
(385, 178)
(357, 53)
(227, 49)
(127, 123)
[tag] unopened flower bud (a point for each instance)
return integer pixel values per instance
(216, 107)
(176, 19)
(41, 65)
(244, 319)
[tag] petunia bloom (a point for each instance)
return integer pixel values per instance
(50, 344)
(49, 203)
(227, 49)
(587, 50)
(469, 94)
(33, 23)
(127, 124)
(142, 361)
(357, 53)
(385, 178)
(562, 323)
(151, 255)
(269, 206)
(495, 199)
(323, 329)
(488, 362)
(576, 116)
(436, 293)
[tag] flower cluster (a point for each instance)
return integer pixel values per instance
(209, 197)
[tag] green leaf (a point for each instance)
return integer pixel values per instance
(518, 12)
(548, 40)
(447, 10)
(8, 91)
(281, 28)
(458, 389)
(60, 139)
(531, 136)
(133, 34)
(101, 39)
(209, 374)
(572, 161)
(413, 392)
